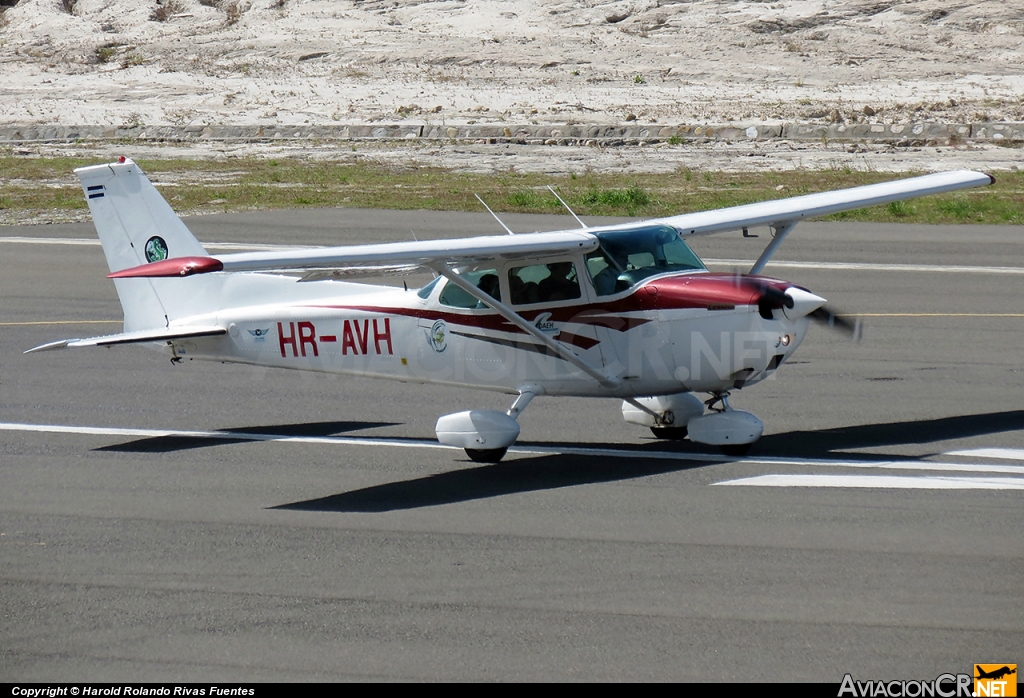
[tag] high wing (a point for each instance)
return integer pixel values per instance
(782, 213)
(798, 208)
(423, 253)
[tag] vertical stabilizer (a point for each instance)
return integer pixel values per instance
(136, 226)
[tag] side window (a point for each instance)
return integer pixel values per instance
(484, 279)
(543, 283)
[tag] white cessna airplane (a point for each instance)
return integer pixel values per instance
(625, 311)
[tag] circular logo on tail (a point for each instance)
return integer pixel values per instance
(156, 249)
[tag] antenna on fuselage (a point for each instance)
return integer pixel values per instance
(509, 230)
(571, 212)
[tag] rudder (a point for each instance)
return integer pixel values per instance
(136, 226)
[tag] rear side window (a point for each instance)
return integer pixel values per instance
(543, 283)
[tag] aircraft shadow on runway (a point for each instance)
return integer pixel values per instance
(171, 443)
(826, 443)
(821, 443)
(567, 470)
(483, 482)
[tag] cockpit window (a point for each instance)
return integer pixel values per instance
(626, 257)
(484, 279)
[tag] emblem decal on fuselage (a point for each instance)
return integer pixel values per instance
(545, 325)
(259, 335)
(437, 337)
(156, 249)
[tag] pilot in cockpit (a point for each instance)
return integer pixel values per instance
(605, 280)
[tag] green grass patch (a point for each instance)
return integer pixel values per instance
(899, 209)
(35, 185)
(630, 201)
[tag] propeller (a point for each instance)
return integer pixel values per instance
(798, 301)
(771, 299)
(852, 327)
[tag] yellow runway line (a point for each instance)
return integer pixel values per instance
(937, 315)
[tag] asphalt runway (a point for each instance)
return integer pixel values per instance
(182, 540)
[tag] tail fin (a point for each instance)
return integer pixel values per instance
(135, 226)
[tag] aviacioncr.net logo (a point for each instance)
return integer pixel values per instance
(944, 686)
(995, 680)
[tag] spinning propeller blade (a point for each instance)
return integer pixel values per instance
(770, 299)
(796, 300)
(853, 327)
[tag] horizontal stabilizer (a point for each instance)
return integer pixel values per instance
(161, 335)
(176, 266)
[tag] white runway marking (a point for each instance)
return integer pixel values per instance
(1003, 453)
(861, 266)
(217, 435)
(743, 263)
(345, 440)
(810, 462)
(23, 240)
(49, 241)
(882, 481)
(788, 480)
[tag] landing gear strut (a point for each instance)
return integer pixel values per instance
(718, 398)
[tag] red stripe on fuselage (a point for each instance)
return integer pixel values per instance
(683, 291)
(703, 290)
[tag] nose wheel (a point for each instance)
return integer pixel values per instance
(670, 433)
(736, 449)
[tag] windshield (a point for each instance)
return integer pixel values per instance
(628, 256)
(424, 292)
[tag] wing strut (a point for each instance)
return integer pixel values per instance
(563, 351)
(780, 231)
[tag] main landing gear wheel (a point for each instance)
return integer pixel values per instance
(736, 449)
(486, 455)
(673, 433)
(485, 435)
